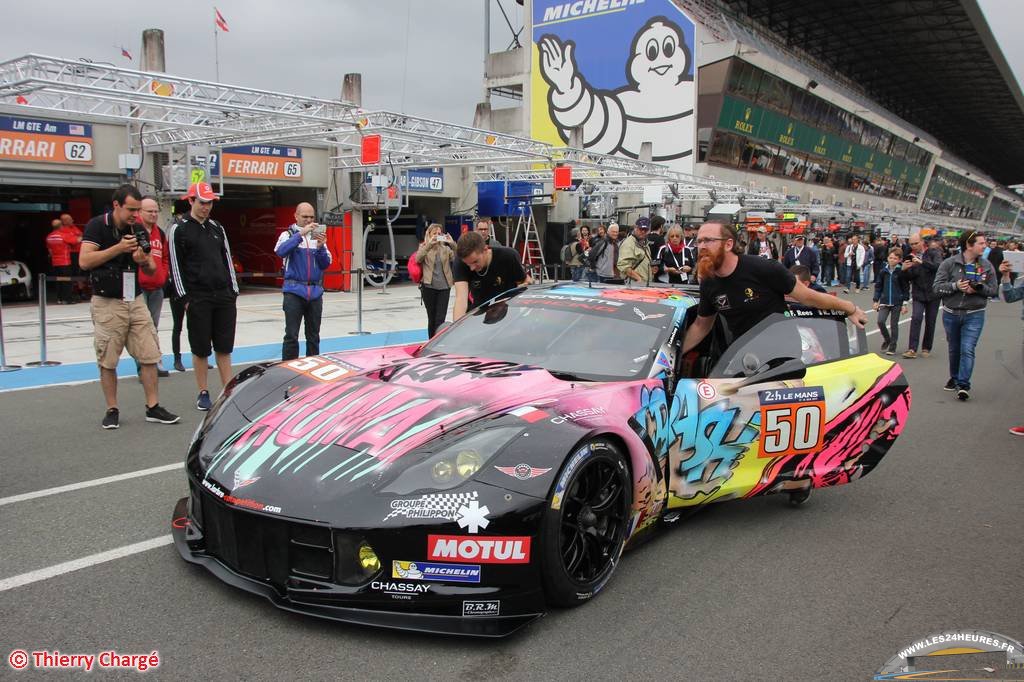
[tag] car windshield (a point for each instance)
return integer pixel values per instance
(571, 337)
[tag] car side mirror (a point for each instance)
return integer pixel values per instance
(774, 370)
(751, 364)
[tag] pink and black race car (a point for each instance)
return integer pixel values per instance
(469, 484)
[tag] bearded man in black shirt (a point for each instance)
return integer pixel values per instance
(746, 289)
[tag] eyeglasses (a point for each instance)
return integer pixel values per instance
(707, 240)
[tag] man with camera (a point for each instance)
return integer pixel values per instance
(965, 282)
(302, 246)
(204, 278)
(114, 253)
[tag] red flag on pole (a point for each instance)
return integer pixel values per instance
(126, 54)
(218, 19)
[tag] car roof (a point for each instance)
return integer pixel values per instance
(682, 297)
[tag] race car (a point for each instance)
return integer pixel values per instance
(16, 278)
(469, 484)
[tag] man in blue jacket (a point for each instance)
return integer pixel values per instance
(305, 259)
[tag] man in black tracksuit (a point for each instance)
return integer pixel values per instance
(919, 270)
(204, 277)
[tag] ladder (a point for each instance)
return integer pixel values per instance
(531, 252)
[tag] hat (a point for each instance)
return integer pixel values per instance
(643, 223)
(798, 236)
(201, 191)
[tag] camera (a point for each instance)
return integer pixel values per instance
(142, 239)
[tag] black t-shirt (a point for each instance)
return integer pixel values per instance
(504, 273)
(107, 279)
(756, 289)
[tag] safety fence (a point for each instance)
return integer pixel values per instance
(44, 361)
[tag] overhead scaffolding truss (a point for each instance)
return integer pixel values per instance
(172, 112)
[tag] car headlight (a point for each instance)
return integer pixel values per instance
(455, 464)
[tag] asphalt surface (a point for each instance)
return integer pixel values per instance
(745, 590)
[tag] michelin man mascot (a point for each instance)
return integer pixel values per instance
(656, 106)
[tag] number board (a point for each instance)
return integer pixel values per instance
(28, 139)
(263, 162)
(792, 420)
(319, 368)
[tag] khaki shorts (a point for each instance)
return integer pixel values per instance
(118, 325)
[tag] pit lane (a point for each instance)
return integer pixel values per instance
(744, 590)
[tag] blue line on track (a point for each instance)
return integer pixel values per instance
(35, 377)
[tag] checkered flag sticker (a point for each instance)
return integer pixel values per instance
(431, 506)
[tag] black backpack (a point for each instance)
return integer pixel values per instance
(595, 253)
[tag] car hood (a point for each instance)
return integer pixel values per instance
(307, 443)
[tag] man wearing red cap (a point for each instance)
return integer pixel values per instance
(203, 276)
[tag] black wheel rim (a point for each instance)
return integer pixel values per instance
(594, 514)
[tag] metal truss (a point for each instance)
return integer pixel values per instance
(176, 110)
(173, 112)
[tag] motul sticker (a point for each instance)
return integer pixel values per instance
(479, 550)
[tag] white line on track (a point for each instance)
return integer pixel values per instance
(89, 484)
(875, 331)
(84, 562)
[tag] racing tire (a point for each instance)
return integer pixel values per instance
(585, 523)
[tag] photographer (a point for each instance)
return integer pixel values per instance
(302, 246)
(435, 257)
(114, 250)
(965, 282)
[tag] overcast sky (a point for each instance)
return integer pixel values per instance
(423, 57)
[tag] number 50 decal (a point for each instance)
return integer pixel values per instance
(318, 368)
(792, 428)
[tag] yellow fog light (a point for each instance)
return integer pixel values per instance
(368, 559)
(468, 462)
(442, 471)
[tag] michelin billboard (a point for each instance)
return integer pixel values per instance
(623, 70)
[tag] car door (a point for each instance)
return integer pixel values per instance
(796, 402)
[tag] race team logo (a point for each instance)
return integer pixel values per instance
(523, 472)
(445, 506)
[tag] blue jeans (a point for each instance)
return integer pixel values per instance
(298, 310)
(962, 333)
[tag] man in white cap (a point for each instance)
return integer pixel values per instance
(761, 246)
(204, 277)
